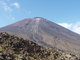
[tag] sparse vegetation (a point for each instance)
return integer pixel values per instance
(16, 48)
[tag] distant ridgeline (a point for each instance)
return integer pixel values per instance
(16, 48)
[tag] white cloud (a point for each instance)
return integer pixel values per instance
(8, 7)
(16, 4)
(5, 6)
(72, 26)
(66, 25)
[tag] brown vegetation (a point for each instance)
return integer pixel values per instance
(16, 48)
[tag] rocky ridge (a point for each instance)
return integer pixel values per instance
(16, 48)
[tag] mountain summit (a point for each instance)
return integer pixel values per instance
(46, 33)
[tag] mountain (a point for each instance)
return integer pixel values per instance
(46, 33)
(16, 48)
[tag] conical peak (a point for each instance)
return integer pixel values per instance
(38, 18)
(32, 19)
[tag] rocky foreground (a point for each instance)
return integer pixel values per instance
(16, 48)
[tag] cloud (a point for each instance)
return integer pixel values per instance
(66, 25)
(72, 26)
(16, 4)
(8, 6)
(5, 6)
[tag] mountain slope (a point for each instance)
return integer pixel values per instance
(46, 33)
(16, 48)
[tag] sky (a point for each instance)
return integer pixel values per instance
(63, 12)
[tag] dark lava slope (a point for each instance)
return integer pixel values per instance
(46, 33)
